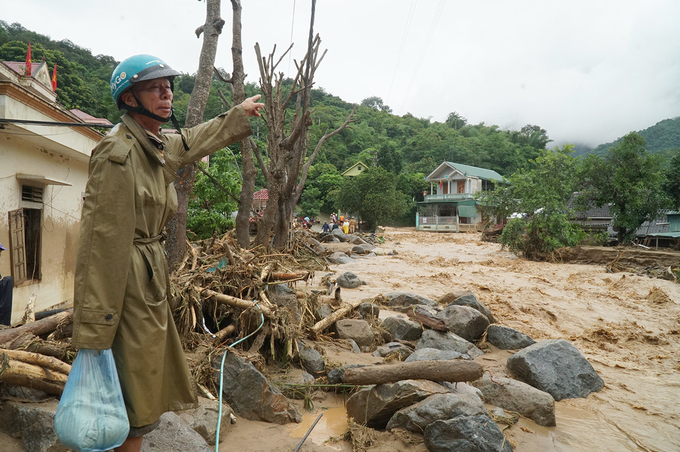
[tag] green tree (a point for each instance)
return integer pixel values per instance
(628, 179)
(537, 198)
(373, 196)
(672, 183)
(211, 205)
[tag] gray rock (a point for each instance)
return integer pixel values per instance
(339, 234)
(464, 321)
(466, 298)
(203, 420)
(462, 388)
(340, 258)
(250, 394)
(368, 310)
(316, 245)
(357, 330)
(174, 434)
(436, 407)
(336, 375)
(323, 311)
(312, 361)
(516, 396)
(359, 241)
(466, 434)
(375, 406)
(556, 367)
(402, 329)
(407, 299)
(433, 354)
(348, 280)
(443, 340)
(506, 338)
(397, 348)
(363, 249)
(32, 422)
(355, 347)
(329, 238)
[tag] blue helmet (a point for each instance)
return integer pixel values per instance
(136, 69)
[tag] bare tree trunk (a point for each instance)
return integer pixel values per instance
(247, 145)
(177, 227)
(452, 370)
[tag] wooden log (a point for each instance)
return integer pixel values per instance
(336, 315)
(30, 343)
(37, 328)
(421, 315)
(225, 332)
(37, 359)
(284, 276)
(235, 302)
(444, 370)
(20, 373)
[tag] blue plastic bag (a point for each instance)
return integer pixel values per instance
(91, 416)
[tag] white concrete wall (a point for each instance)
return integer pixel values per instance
(60, 212)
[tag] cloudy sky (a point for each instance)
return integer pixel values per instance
(587, 71)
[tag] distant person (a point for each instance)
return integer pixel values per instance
(352, 225)
(121, 277)
(334, 218)
(6, 286)
(345, 226)
(334, 226)
(325, 228)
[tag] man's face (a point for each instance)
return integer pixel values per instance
(155, 95)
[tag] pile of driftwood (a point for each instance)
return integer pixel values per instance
(30, 361)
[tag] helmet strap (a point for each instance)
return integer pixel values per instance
(141, 109)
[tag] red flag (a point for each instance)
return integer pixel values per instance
(54, 78)
(27, 69)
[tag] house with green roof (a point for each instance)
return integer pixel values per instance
(450, 205)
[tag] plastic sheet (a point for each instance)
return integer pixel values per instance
(91, 416)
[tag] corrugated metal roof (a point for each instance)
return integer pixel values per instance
(482, 173)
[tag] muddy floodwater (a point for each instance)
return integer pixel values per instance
(627, 326)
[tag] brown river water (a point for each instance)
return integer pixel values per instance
(627, 326)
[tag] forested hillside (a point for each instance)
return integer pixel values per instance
(406, 146)
(663, 137)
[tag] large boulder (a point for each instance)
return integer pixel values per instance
(316, 245)
(174, 434)
(506, 338)
(203, 420)
(437, 407)
(339, 234)
(466, 298)
(33, 422)
(443, 340)
(357, 330)
(340, 258)
(402, 329)
(556, 367)
(394, 348)
(348, 280)
(375, 406)
(516, 396)
(464, 321)
(363, 249)
(406, 299)
(368, 310)
(433, 354)
(466, 434)
(312, 361)
(250, 394)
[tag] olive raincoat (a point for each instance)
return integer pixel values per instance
(121, 282)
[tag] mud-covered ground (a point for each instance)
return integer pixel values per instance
(627, 326)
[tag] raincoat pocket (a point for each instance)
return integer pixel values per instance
(156, 289)
(91, 416)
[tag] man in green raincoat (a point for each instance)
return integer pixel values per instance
(121, 282)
